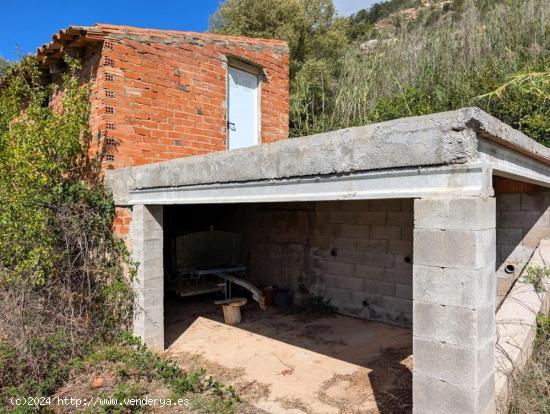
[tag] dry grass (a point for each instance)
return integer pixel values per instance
(429, 68)
(531, 388)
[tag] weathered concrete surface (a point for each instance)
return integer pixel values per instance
(437, 139)
(147, 238)
(516, 323)
(284, 364)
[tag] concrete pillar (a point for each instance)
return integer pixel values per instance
(454, 287)
(147, 250)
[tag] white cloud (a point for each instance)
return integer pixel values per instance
(347, 7)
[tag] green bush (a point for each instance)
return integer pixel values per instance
(63, 286)
(449, 64)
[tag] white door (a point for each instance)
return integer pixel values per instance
(242, 113)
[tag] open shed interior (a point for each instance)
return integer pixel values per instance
(328, 270)
(357, 254)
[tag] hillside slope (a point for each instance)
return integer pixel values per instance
(410, 57)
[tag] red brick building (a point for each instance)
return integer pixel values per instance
(160, 94)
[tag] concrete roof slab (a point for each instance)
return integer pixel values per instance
(441, 139)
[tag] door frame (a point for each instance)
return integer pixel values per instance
(254, 69)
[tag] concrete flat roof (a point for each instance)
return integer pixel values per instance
(448, 152)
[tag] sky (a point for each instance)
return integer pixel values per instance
(347, 7)
(27, 24)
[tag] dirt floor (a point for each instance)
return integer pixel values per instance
(283, 362)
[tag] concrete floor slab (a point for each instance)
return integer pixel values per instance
(297, 365)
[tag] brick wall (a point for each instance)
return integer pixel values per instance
(357, 253)
(159, 94)
(523, 219)
(163, 96)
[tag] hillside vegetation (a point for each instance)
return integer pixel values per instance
(65, 294)
(407, 57)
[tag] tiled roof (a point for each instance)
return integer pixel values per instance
(80, 36)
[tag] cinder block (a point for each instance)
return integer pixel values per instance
(321, 218)
(328, 205)
(463, 367)
(344, 217)
(370, 298)
(433, 396)
(470, 328)
(534, 201)
(377, 287)
(524, 219)
(327, 280)
(400, 305)
(355, 205)
(390, 204)
(511, 236)
(314, 252)
(369, 272)
(337, 294)
(149, 298)
(372, 246)
(348, 282)
(382, 260)
(407, 204)
(407, 233)
(473, 213)
(399, 275)
(155, 343)
(371, 217)
(454, 287)
(350, 256)
(149, 282)
(400, 247)
(400, 218)
(349, 230)
(147, 250)
(149, 321)
(464, 249)
(320, 241)
(340, 269)
(403, 290)
(347, 243)
(508, 201)
(385, 232)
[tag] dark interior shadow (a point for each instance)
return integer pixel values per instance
(520, 219)
(391, 381)
(521, 222)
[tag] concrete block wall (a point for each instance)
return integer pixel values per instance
(454, 305)
(147, 249)
(357, 253)
(361, 256)
(523, 220)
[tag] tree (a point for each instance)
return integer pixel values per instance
(310, 27)
(3, 65)
(317, 40)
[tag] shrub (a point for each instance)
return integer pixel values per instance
(62, 283)
(452, 62)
